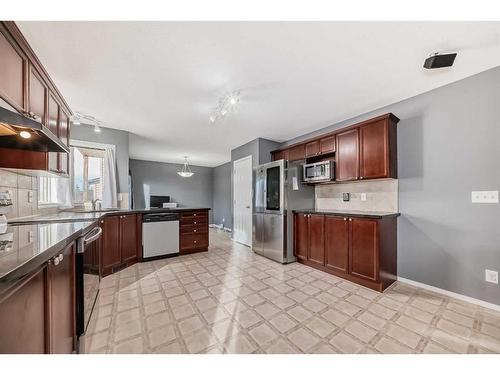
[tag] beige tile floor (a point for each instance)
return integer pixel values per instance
(230, 300)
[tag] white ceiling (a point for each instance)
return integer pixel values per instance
(159, 80)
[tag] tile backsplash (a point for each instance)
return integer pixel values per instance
(381, 195)
(23, 191)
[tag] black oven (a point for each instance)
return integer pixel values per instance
(87, 280)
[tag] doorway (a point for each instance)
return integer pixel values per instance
(242, 200)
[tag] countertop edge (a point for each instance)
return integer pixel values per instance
(374, 215)
(12, 277)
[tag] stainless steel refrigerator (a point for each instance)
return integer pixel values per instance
(277, 191)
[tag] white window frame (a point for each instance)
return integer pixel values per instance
(47, 192)
(84, 144)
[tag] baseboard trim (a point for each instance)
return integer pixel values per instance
(461, 297)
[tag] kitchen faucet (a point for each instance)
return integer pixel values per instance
(94, 204)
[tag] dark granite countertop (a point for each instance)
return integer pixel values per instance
(72, 216)
(30, 241)
(23, 248)
(366, 214)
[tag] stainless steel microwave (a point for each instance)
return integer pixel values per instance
(318, 172)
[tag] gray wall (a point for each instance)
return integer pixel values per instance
(162, 178)
(448, 146)
(119, 138)
(260, 149)
(221, 202)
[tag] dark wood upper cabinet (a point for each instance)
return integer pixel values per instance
(347, 156)
(62, 302)
(312, 149)
(301, 235)
(327, 145)
(128, 230)
(374, 150)
(297, 153)
(12, 73)
(64, 136)
(37, 96)
(337, 243)
(111, 254)
(23, 316)
(363, 252)
(316, 239)
(367, 150)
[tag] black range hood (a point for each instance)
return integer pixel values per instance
(38, 138)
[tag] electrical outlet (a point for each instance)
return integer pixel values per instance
(363, 196)
(223, 219)
(346, 197)
(484, 196)
(30, 197)
(491, 276)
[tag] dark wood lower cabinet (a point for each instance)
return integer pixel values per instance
(193, 232)
(336, 243)
(37, 313)
(361, 250)
(120, 242)
(23, 316)
(316, 239)
(61, 280)
(301, 235)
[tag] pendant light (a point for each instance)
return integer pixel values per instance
(185, 171)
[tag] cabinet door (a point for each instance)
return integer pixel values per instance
(374, 150)
(64, 136)
(301, 235)
(13, 64)
(111, 254)
(62, 303)
(337, 243)
(37, 96)
(312, 149)
(347, 157)
(52, 125)
(128, 233)
(316, 239)
(363, 252)
(297, 153)
(327, 145)
(278, 155)
(23, 316)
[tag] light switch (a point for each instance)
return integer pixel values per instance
(491, 276)
(30, 197)
(484, 196)
(363, 196)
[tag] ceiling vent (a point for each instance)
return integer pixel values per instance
(439, 61)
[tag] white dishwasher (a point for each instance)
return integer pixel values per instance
(160, 235)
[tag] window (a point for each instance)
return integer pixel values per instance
(47, 191)
(88, 171)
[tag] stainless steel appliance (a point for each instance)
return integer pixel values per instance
(160, 235)
(318, 172)
(278, 190)
(87, 281)
(27, 133)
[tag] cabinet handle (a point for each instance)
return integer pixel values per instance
(195, 222)
(194, 230)
(345, 219)
(194, 241)
(350, 219)
(361, 178)
(60, 257)
(194, 215)
(56, 261)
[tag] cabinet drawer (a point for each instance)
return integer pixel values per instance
(198, 220)
(193, 241)
(194, 229)
(194, 214)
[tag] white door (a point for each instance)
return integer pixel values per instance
(242, 200)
